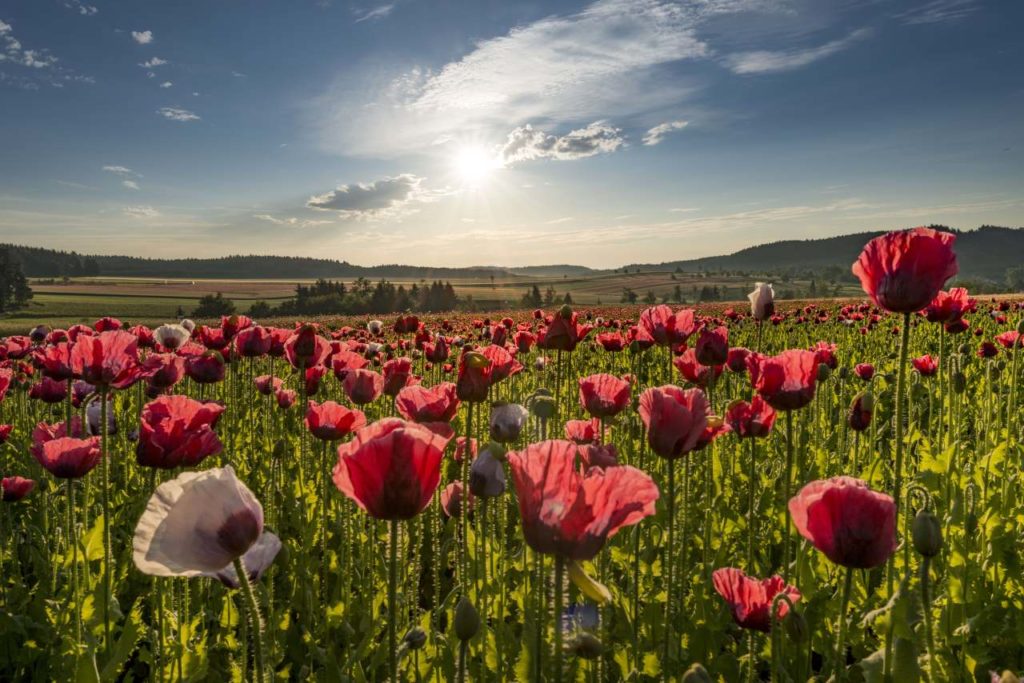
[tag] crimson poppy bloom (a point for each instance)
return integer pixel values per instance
(825, 354)
(712, 346)
(69, 458)
(503, 363)
(903, 271)
(397, 375)
(305, 348)
(177, 431)
(363, 386)
(865, 371)
(736, 360)
(604, 395)
(675, 419)
(5, 433)
(451, 499)
(163, 370)
(267, 384)
(950, 307)
(583, 431)
(787, 380)
(206, 368)
(55, 362)
(15, 488)
(107, 324)
(750, 599)
(474, 377)
(285, 398)
(925, 365)
(572, 515)
(754, 419)
(847, 521)
(693, 371)
(661, 326)
(48, 391)
(859, 417)
(253, 342)
(345, 360)
(107, 359)
(418, 403)
(391, 468)
(1009, 339)
(330, 421)
(563, 332)
(611, 341)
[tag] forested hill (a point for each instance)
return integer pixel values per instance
(987, 252)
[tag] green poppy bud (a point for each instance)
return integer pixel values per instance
(696, 674)
(796, 626)
(824, 372)
(927, 534)
(959, 382)
(467, 619)
(416, 638)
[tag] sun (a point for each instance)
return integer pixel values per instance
(474, 165)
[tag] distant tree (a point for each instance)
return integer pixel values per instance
(677, 294)
(533, 298)
(214, 305)
(14, 289)
(1015, 278)
(260, 309)
(567, 299)
(549, 295)
(628, 296)
(650, 298)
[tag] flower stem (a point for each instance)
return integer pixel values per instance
(107, 560)
(559, 599)
(256, 620)
(837, 666)
(392, 590)
(786, 488)
(669, 559)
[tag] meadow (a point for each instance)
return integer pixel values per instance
(764, 491)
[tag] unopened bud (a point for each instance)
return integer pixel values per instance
(927, 534)
(959, 382)
(796, 626)
(696, 674)
(467, 620)
(565, 312)
(824, 372)
(416, 638)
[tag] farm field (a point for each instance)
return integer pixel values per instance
(757, 491)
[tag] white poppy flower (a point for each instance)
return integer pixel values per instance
(762, 301)
(172, 336)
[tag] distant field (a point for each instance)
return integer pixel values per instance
(152, 301)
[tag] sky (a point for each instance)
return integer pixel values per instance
(495, 132)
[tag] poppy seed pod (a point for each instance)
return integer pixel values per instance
(542, 404)
(507, 421)
(415, 638)
(486, 474)
(927, 534)
(467, 619)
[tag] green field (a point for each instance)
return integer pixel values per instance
(153, 301)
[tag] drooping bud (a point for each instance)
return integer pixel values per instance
(467, 619)
(696, 674)
(416, 638)
(927, 534)
(796, 626)
(565, 312)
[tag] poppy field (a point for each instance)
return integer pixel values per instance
(765, 492)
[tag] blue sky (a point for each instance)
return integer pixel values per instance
(490, 132)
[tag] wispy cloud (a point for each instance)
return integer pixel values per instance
(291, 221)
(14, 52)
(153, 63)
(389, 198)
(177, 114)
(130, 184)
(373, 13)
(938, 11)
(166, 84)
(142, 37)
(81, 7)
(655, 135)
(526, 143)
(767, 61)
(121, 170)
(140, 211)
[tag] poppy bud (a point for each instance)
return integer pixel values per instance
(416, 638)
(965, 350)
(796, 626)
(565, 312)
(696, 674)
(586, 646)
(486, 475)
(824, 371)
(507, 421)
(467, 620)
(959, 382)
(927, 534)
(843, 372)
(542, 404)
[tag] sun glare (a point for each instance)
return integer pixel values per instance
(474, 165)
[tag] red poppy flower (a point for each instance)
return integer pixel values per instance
(712, 346)
(611, 341)
(68, 458)
(987, 350)
(750, 599)
(15, 488)
(305, 348)
(563, 332)
(391, 468)
(55, 362)
(865, 371)
(451, 499)
(1009, 339)
(503, 364)
(825, 354)
(5, 433)
(233, 325)
(925, 365)
(847, 521)
(330, 421)
(859, 417)
(363, 386)
(474, 377)
(903, 271)
(582, 431)
(107, 359)
(285, 398)
(267, 384)
(398, 375)
(569, 514)
(163, 370)
(343, 361)
(604, 395)
(754, 419)
(253, 342)
(736, 360)
(693, 371)
(48, 391)
(207, 368)
(675, 419)
(177, 431)
(107, 324)
(661, 326)
(787, 380)
(418, 403)
(951, 306)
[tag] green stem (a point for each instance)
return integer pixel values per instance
(837, 665)
(926, 606)
(254, 616)
(392, 590)
(786, 489)
(669, 559)
(107, 559)
(559, 599)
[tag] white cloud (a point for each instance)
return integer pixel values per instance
(142, 37)
(152, 63)
(527, 143)
(140, 211)
(389, 198)
(177, 114)
(766, 61)
(13, 51)
(81, 7)
(121, 171)
(374, 13)
(291, 221)
(166, 84)
(658, 133)
(130, 184)
(938, 11)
